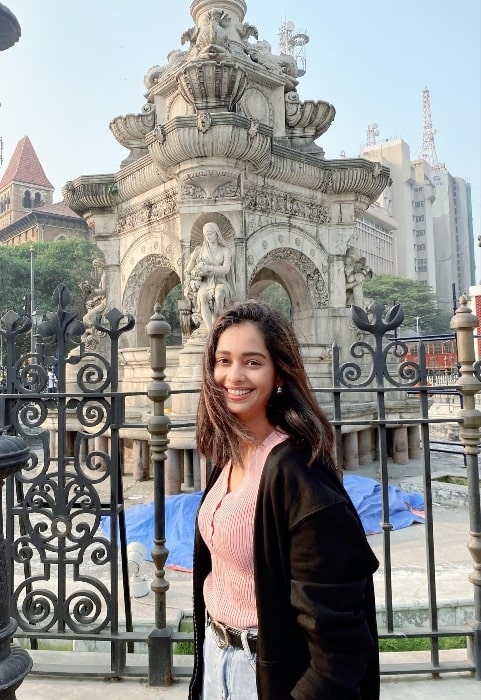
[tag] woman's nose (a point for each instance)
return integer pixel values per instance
(236, 372)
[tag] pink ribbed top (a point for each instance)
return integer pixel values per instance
(226, 523)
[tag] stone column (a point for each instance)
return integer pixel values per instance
(240, 267)
(188, 469)
(400, 445)
(172, 472)
(137, 466)
(196, 470)
(101, 445)
(414, 444)
(146, 460)
(350, 451)
(365, 446)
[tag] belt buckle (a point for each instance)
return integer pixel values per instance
(221, 635)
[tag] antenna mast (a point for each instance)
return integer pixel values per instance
(372, 133)
(428, 151)
(294, 44)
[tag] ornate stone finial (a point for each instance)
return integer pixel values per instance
(208, 85)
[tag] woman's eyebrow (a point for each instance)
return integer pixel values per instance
(250, 353)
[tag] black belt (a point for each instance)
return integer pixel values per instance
(230, 637)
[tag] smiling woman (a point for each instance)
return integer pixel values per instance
(283, 592)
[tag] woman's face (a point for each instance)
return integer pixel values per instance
(246, 371)
(210, 234)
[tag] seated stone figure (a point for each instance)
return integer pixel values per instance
(207, 274)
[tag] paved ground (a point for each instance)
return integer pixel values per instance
(453, 566)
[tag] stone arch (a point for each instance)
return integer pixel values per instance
(297, 273)
(149, 283)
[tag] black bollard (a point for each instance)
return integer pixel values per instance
(15, 662)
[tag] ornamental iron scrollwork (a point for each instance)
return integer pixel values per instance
(381, 361)
(65, 568)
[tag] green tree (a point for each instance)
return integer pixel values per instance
(276, 296)
(68, 261)
(417, 299)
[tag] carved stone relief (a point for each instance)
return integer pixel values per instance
(268, 201)
(148, 212)
(313, 276)
(255, 105)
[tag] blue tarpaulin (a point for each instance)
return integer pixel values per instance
(180, 517)
(365, 493)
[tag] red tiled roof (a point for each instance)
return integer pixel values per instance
(25, 167)
(59, 208)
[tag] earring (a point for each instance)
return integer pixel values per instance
(279, 390)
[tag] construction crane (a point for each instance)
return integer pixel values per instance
(293, 43)
(428, 150)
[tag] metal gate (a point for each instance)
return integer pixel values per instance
(66, 571)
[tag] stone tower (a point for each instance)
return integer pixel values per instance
(224, 138)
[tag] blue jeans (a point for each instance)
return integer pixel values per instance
(229, 674)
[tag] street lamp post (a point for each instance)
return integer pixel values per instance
(32, 297)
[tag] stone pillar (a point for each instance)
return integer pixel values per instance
(414, 444)
(101, 445)
(239, 263)
(400, 445)
(188, 469)
(172, 472)
(53, 439)
(350, 451)
(83, 449)
(137, 466)
(15, 663)
(196, 470)
(146, 459)
(365, 446)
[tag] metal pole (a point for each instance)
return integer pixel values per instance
(15, 662)
(32, 297)
(160, 645)
(464, 322)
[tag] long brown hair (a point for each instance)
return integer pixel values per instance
(295, 410)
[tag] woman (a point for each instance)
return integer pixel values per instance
(283, 592)
(207, 271)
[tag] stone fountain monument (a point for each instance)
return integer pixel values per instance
(225, 190)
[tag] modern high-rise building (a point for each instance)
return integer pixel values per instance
(374, 237)
(434, 239)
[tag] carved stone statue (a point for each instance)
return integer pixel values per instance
(207, 274)
(356, 272)
(96, 305)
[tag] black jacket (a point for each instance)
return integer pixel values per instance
(313, 571)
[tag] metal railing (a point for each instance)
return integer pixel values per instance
(65, 570)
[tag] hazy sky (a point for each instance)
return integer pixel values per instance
(79, 64)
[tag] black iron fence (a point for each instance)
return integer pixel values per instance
(65, 572)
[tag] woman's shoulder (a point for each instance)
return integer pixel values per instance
(288, 462)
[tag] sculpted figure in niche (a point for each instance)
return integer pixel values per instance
(97, 304)
(356, 272)
(207, 273)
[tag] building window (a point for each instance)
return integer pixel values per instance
(37, 199)
(420, 218)
(419, 204)
(420, 232)
(421, 264)
(420, 246)
(27, 200)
